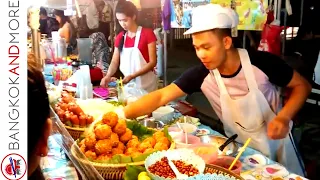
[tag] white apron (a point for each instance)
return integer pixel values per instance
(131, 61)
(248, 117)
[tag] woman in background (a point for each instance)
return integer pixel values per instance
(135, 50)
(39, 124)
(66, 28)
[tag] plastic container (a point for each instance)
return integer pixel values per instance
(190, 128)
(85, 50)
(226, 161)
(181, 141)
(175, 132)
(164, 111)
(208, 152)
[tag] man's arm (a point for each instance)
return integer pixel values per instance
(188, 83)
(300, 89)
(150, 102)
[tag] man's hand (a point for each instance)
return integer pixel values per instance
(278, 128)
(105, 81)
(127, 79)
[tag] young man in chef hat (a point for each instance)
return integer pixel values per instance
(241, 86)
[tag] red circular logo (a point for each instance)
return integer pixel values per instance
(13, 166)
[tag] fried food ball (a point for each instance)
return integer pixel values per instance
(121, 146)
(103, 157)
(110, 118)
(83, 148)
(135, 137)
(126, 136)
(129, 151)
(120, 127)
(91, 155)
(103, 146)
(164, 140)
(161, 146)
(151, 140)
(115, 151)
(144, 145)
(102, 131)
(158, 134)
(114, 139)
(149, 150)
(133, 143)
(90, 140)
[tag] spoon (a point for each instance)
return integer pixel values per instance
(228, 141)
(176, 171)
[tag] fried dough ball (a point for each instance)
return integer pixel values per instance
(91, 155)
(121, 146)
(161, 146)
(149, 150)
(126, 136)
(144, 145)
(120, 127)
(133, 143)
(164, 140)
(90, 141)
(102, 131)
(116, 151)
(103, 157)
(158, 134)
(135, 137)
(103, 146)
(129, 151)
(151, 140)
(110, 118)
(114, 139)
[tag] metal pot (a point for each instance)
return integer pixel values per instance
(152, 124)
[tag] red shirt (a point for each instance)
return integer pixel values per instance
(146, 37)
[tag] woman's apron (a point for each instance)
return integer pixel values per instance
(248, 117)
(131, 61)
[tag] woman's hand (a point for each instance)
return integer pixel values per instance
(105, 81)
(127, 79)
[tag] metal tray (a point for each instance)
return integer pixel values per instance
(230, 150)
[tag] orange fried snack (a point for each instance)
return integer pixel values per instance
(110, 118)
(102, 131)
(114, 139)
(90, 141)
(120, 127)
(103, 146)
(126, 136)
(91, 154)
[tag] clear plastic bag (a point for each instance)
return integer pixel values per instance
(131, 93)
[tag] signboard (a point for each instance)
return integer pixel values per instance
(252, 13)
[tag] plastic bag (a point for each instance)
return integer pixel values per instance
(132, 93)
(270, 39)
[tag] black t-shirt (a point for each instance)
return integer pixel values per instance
(278, 72)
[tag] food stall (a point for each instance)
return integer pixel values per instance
(91, 141)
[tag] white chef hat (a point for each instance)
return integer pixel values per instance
(212, 16)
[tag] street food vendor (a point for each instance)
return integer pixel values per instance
(135, 50)
(241, 86)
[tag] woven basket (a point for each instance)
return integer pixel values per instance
(75, 132)
(210, 169)
(111, 171)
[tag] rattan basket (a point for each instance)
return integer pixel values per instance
(110, 171)
(75, 132)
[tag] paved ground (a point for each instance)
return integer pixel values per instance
(306, 132)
